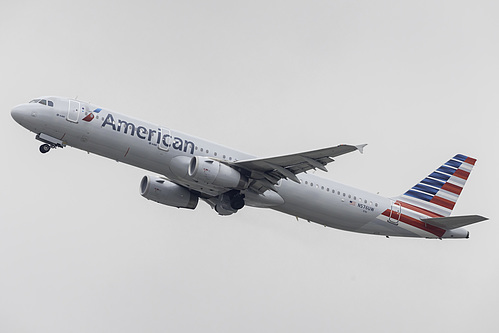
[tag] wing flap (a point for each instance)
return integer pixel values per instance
(287, 166)
(454, 222)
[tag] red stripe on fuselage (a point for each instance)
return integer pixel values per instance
(419, 209)
(415, 223)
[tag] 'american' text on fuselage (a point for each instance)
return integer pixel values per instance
(148, 134)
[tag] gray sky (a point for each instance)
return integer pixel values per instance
(81, 251)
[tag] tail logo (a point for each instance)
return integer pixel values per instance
(442, 187)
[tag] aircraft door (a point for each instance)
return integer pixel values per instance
(395, 213)
(73, 111)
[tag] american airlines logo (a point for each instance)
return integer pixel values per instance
(154, 137)
(91, 115)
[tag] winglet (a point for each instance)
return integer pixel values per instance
(361, 148)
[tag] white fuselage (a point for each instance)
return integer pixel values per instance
(152, 147)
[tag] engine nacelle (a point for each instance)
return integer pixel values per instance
(167, 193)
(208, 171)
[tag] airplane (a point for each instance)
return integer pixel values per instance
(189, 168)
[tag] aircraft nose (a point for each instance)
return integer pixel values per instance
(16, 113)
(19, 113)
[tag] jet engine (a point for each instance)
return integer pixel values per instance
(208, 171)
(167, 193)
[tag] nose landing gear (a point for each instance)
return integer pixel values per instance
(48, 142)
(45, 148)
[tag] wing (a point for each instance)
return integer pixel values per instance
(266, 172)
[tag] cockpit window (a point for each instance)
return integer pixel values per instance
(43, 101)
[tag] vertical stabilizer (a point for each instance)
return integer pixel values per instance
(439, 192)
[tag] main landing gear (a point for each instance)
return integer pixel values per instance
(229, 203)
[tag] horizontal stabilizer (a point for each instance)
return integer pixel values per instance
(454, 222)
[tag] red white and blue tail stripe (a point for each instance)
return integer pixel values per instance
(439, 192)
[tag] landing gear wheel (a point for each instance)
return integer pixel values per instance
(44, 148)
(237, 202)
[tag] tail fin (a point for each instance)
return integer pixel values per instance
(439, 192)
